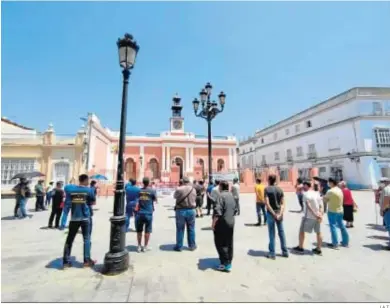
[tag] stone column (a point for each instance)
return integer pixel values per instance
(144, 162)
(169, 159)
(163, 159)
(231, 159)
(187, 164)
(234, 159)
(192, 159)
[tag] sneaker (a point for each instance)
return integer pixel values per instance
(271, 257)
(298, 249)
(139, 249)
(285, 255)
(221, 267)
(89, 263)
(146, 249)
(258, 224)
(177, 249)
(386, 248)
(66, 265)
(344, 245)
(317, 251)
(197, 216)
(228, 268)
(192, 248)
(332, 246)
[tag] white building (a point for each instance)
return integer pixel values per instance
(346, 136)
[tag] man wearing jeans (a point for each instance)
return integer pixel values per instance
(78, 199)
(334, 199)
(132, 196)
(274, 201)
(185, 196)
(260, 202)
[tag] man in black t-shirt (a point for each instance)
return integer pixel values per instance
(58, 196)
(274, 201)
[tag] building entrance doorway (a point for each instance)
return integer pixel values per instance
(180, 164)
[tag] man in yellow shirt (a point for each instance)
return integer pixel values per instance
(260, 202)
(334, 198)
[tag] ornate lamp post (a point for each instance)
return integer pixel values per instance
(116, 260)
(208, 111)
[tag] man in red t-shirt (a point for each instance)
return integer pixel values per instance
(349, 204)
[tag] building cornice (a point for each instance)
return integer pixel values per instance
(302, 134)
(374, 93)
(5, 120)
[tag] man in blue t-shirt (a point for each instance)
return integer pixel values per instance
(144, 214)
(209, 199)
(132, 196)
(78, 201)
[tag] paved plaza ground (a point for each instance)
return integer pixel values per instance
(31, 262)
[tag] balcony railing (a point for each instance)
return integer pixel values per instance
(289, 158)
(312, 155)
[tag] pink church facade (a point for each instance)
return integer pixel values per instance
(163, 157)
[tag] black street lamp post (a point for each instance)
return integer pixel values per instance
(208, 111)
(116, 260)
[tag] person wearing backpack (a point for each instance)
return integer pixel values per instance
(185, 196)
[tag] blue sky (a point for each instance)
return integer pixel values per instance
(272, 59)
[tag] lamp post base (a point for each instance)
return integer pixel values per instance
(116, 263)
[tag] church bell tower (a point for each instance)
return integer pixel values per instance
(177, 121)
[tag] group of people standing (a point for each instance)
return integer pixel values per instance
(189, 199)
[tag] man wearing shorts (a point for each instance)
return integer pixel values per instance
(144, 214)
(312, 218)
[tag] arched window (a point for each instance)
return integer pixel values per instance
(220, 165)
(154, 167)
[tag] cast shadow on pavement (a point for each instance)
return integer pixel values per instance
(376, 227)
(375, 247)
(206, 229)
(295, 211)
(171, 216)
(131, 248)
(208, 263)
(257, 253)
(58, 263)
(8, 218)
(251, 225)
(378, 237)
(167, 247)
(13, 217)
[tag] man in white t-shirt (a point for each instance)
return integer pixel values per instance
(312, 217)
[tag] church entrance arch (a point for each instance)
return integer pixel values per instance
(130, 169)
(154, 167)
(179, 162)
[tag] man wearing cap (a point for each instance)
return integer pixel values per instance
(385, 206)
(185, 196)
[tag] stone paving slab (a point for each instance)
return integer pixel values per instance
(31, 262)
